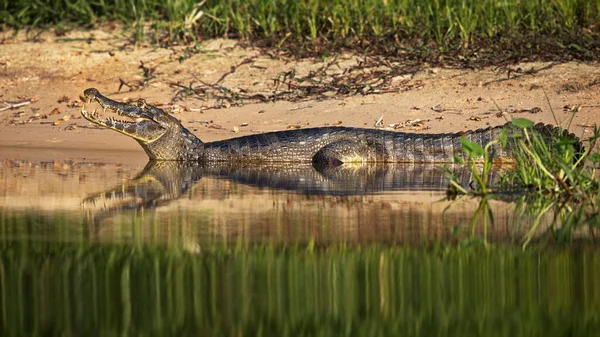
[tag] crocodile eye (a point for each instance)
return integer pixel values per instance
(141, 103)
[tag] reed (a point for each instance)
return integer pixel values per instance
(391, 25)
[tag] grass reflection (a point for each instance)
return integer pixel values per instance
(72, 289)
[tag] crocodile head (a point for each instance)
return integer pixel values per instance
(161, 135)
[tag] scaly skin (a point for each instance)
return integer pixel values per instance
(164, 138)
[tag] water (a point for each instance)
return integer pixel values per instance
(158, 291)
(111, 246)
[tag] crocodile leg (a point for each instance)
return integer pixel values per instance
(350, 151)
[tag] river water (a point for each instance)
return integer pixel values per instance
(112, 245)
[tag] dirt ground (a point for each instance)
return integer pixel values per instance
(42, 81)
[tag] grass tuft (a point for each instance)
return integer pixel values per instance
(554, 177)
(392, 27)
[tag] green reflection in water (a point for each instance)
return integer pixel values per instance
(82, 289)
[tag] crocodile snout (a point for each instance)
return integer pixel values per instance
(91, 93)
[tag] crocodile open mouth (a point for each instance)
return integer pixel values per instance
(139, 120)
(109, 121)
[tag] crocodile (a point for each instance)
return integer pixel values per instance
(163, 137)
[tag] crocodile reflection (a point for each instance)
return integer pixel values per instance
(161, 182)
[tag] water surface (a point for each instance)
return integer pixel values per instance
(114, 246)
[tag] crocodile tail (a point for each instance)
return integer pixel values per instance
(555, 134)
(443, 148)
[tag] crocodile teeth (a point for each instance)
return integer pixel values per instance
(88, 113)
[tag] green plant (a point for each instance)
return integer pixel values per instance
(553, 175)
(319, 26)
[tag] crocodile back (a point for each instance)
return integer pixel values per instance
(367, 145)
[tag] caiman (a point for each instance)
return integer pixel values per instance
(163, 137)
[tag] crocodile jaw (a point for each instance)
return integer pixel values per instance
(141, 129)
(142, 121)
(161, 136)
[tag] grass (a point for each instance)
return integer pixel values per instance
(263, 291)
(548, 161)
(553, 176)
(392, 27)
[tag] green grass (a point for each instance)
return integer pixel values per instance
(553, 178)
(559, 165)
(384, 26)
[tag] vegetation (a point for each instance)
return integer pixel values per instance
(557, 178)
(471, 29)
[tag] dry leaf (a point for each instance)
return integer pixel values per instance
(63, 99)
